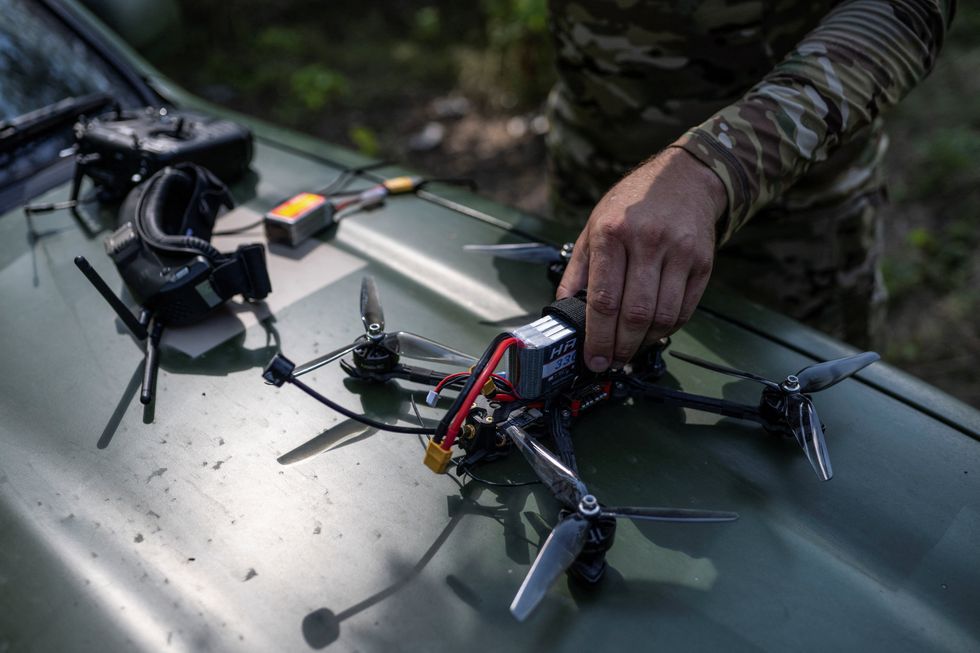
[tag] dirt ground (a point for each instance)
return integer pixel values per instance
(459, 93)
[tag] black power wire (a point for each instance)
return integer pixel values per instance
(381, 426)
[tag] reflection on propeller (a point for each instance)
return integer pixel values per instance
(317, 363)
(567, 540)
(398, 343)
(559, 551)
(554, 258)
(424, 349)
(797, 410)
(821, 376)
(530, 252)
(700, 362)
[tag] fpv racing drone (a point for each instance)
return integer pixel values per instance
(546, 387)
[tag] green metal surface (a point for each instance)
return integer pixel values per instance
(179, 528)
(186, 531)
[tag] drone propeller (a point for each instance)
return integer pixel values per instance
(799, 411)
(424, 349)
(809, 434)
(398, 342)
(317, 363)
(530, 252)
(567, 540)
(821, 376)
(700, 362)
(372, 315)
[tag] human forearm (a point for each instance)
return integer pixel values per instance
(863, 57)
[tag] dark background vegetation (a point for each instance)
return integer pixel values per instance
(457, 88)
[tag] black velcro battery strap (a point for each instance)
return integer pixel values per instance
(570, 310)
(243, 273)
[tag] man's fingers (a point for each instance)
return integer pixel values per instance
(638, 307)
(607, 272)
(670, 298)
(577, 271)
(696, 283)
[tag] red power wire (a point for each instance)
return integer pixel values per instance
(458, 375)
(481, 381)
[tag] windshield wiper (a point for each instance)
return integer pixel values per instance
(26, 126)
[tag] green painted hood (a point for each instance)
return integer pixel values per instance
(187, 531)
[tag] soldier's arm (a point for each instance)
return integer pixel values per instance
(647, 250)
(864, 56)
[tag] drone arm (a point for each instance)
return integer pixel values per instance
(404, 372)
(417, 374)
(697, 402)
(558, 422)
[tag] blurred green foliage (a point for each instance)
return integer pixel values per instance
(292, 61)
(948, 162)
(315, 85)
(931, 266)
(517, 58)
(365, 140)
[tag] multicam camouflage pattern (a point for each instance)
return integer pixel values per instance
(779, 97)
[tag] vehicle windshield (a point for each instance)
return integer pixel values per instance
(41, 63)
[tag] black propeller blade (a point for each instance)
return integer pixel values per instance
(372, 314)
(675, 515)
(823, 375)
(700, 362)
(317, 363)
(531, 252)
(568, 538)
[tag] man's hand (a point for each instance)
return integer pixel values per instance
(645, 255)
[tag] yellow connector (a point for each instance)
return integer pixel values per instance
(489, 388)
(436, 458)
(397, 185)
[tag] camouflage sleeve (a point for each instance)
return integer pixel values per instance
(864, 56)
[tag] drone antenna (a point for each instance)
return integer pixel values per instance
(135, 327)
